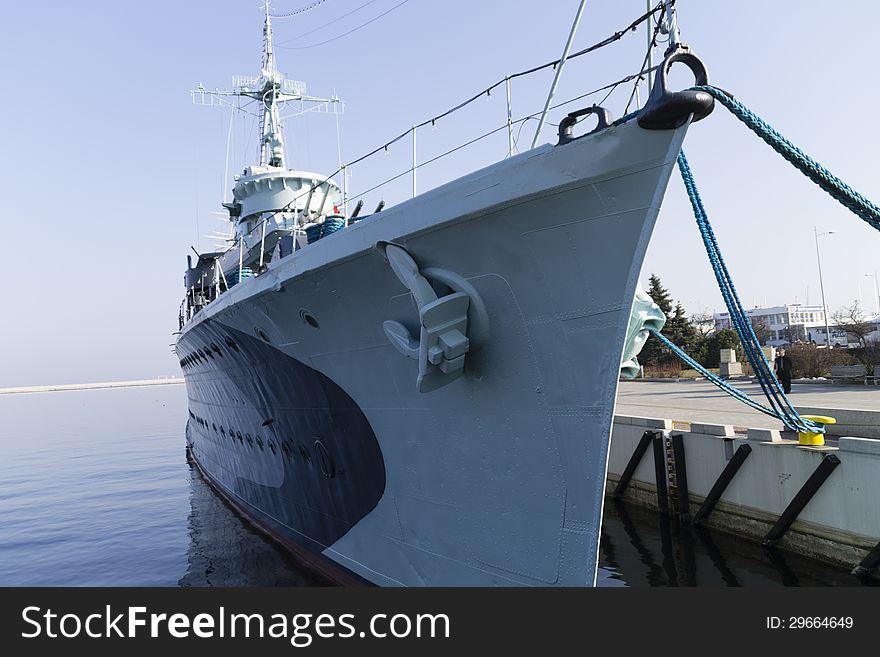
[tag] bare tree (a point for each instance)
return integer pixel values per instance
(703, 323)
(852, 320)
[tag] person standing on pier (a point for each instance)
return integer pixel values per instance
(782, 366)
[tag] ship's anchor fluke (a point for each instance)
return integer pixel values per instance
(443, 340)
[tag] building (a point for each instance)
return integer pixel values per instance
(840, 337)
(781, 325)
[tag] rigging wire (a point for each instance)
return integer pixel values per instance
(601, 44)
(344, 34)
(612, 86)
(647, 59)
(299, 11)
(327, 24)
(616, 36)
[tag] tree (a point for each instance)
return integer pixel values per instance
(703, 323)
(660, 295)
(680, 331)
(654, 352)
(721, 339)
(852, 320)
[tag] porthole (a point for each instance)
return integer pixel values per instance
(247, 437)
(308, 318)
(222, 431)
(231, 343)
(216, 349)
(259, 442)
(272, 446)
(214, 427)
(305, 455)
(237, 435)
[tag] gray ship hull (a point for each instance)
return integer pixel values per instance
(309, 420)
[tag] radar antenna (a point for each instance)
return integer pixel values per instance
(273, 90)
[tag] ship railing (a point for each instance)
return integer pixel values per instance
(280, 220)
(653, 18)
(201, 294)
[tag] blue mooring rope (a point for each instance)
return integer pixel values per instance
(713, 378)
(862, 207)
(779, 403)
(780, 406)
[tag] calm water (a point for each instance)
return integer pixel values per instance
(95, 491)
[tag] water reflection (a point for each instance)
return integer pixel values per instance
(225, 551)
(96, 492)
(639, 548)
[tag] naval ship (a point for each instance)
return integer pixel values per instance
(423, 395)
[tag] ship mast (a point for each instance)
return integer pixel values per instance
(272, 90)
(271, 137)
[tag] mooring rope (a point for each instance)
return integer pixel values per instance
(780, 406)
(834, 186)
(710, 376)
(861, 206)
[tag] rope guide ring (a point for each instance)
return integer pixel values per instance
(666, 109)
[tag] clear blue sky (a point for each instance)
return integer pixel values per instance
(110, 174)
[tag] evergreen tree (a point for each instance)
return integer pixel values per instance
(660, 295)
(681, 332)
(654, 352)
(722, 339)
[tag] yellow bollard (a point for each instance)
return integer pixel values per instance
(810, 437)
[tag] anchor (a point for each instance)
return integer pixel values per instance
(443, 340)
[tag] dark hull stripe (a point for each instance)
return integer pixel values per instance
(292, 451)
(313, 563)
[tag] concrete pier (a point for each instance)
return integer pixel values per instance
(839, 523)
(857, 407)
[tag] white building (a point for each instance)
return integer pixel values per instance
(785, 324)
(840, 337)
